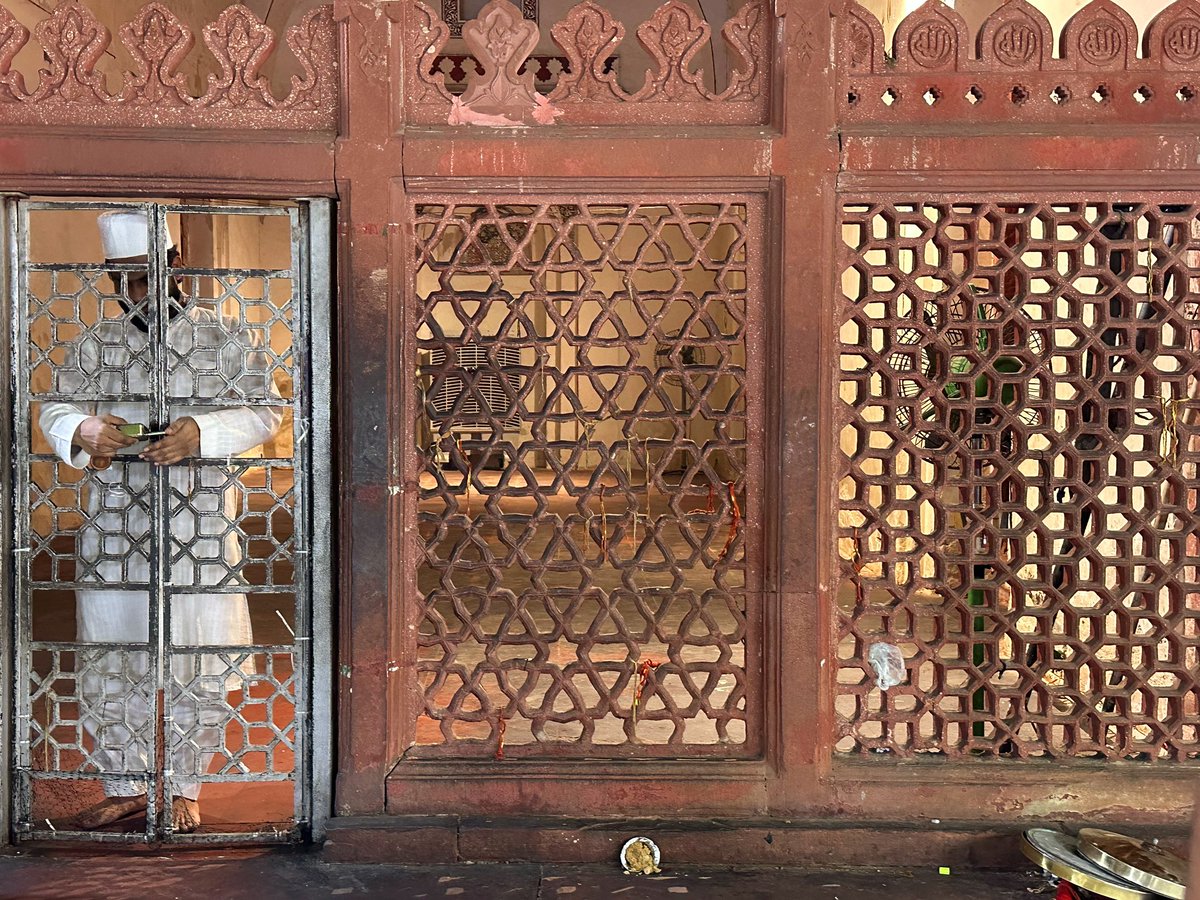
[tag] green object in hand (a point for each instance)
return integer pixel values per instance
(138, 430)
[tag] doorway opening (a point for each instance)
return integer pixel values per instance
(170, 615)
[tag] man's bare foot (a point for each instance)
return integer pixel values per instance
(109, 810)
(185, 815)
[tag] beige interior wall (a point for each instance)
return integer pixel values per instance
(196, 14)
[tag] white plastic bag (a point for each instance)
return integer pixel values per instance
(888, 663)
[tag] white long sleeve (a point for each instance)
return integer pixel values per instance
(60, 421)
(245, 365)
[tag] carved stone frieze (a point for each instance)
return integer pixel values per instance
(674, 89)
(927, 74)
(70, 90)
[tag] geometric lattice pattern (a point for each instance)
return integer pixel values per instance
(583, 439)
(1020, 389)
(255, 737)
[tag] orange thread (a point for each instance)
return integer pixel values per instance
(859, 564)
(647, 666)
(603, 526)
(712, 497)
(735, 525)
(502, 725)
(466, 472)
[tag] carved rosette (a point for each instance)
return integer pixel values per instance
(588, 37)
(673, 37)
(158, 43)
(241, 44)
(72, 40)
(13, 36)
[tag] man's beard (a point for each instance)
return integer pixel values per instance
(136, 313)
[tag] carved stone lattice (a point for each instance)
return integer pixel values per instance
(70, 90)
(589, 459)
(1019, 449)
(1097, 75)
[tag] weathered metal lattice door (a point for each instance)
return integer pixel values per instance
(168, 619)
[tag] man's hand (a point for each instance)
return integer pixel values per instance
(99, 436)
(181, 442)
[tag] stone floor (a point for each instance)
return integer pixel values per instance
(295, 876)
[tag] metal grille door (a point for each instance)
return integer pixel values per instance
(164, 614)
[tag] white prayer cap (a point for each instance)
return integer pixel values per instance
(123, 233)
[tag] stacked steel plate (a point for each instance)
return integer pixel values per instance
(1107, 864)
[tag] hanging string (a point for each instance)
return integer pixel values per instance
(501, 727)
(1168, 437)
(647, 666)
(858, 563)
(735, 526)
(466, 471)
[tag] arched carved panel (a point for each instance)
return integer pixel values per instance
(1099, 36)
(860, 40)
(932, 37)
(1016, 36)
(1173, 37)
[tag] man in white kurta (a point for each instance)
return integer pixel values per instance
(209, 356)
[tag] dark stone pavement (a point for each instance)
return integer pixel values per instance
(294, 875)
